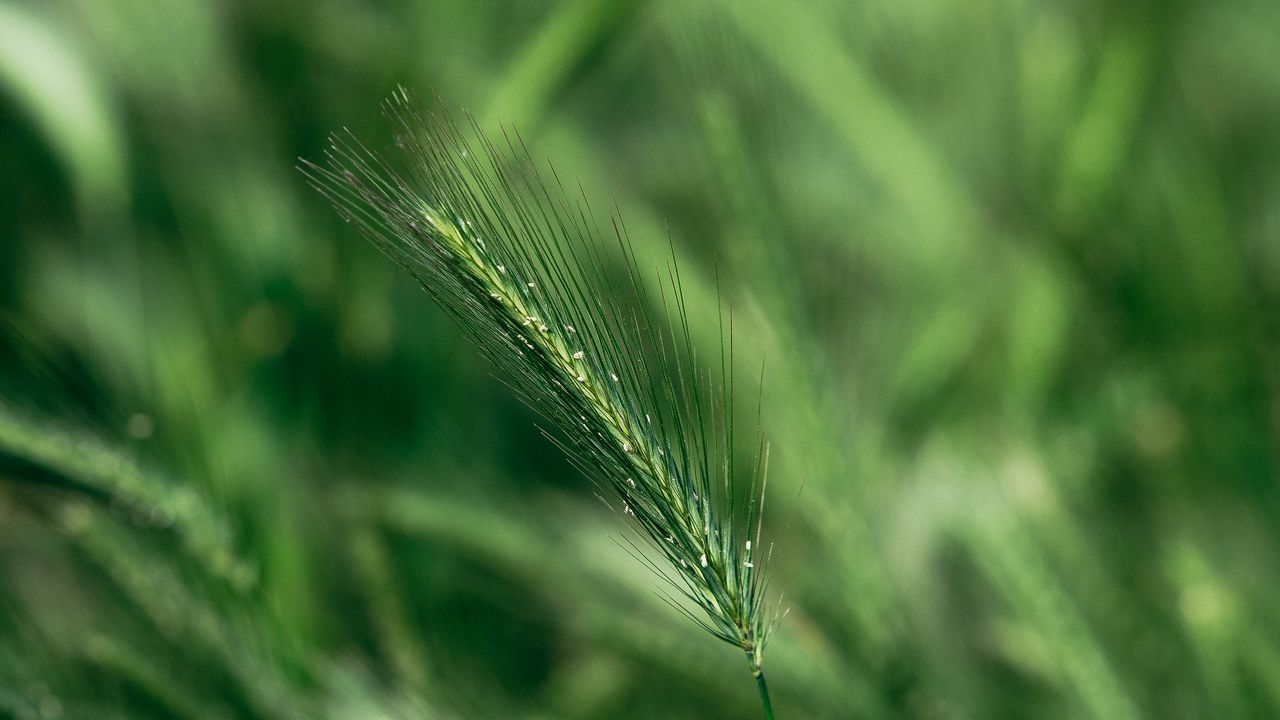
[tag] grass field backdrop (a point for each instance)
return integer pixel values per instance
(1012, 268)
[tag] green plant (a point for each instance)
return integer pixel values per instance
(523, 270)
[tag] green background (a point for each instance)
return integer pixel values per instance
(1013, 266)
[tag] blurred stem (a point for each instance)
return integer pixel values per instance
(387, 609)
(551, 58)
(874, 126)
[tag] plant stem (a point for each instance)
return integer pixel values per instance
(764, 696)
(757, 672)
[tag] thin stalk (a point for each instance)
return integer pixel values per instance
(764, 695)
(758, 673)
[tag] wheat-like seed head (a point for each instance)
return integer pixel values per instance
(522, 269)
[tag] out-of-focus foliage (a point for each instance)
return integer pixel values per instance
(1012, 267)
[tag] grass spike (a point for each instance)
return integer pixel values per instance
(521, 267)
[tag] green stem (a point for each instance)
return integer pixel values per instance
(757, 672)
(764, 695)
